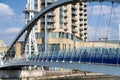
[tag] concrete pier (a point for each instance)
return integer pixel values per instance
(20, 73)
(48, 75)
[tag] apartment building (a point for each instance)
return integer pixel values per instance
(65, 25)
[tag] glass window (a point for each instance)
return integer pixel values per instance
(60, 35)
(49, 35)
(54, 47)
(36, 27)
(65, 35)
(36, 35)
(42, 35)
(53, 35)
(69, 36)
(57, 35)
(40, 47)
(74, 38)
(61, 17)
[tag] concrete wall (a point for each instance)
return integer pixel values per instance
(20, 73)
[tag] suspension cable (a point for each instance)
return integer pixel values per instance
(115, 17)
(109, 21)
(104, 20)
(107, 32)
(118, 49)
(97, 23)
(91, 11)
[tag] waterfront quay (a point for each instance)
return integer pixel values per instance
(52, 75)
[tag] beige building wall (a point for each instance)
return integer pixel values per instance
(3, 47)
(74, 22)
(19, 49)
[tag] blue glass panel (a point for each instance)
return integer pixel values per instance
(61, 56)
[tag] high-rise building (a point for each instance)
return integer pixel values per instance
(65, 25)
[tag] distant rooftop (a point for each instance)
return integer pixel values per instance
(2, 43)
(108, 41)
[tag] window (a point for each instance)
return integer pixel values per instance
(69, 36)
(36, 27)
(54, 47)
(61, 17)
(40, 35)
(61, 35)
(40, 47)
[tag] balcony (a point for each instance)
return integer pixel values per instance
(50, 20)
(85, 32)
(27, 10)
(85, 5)
(85, 37)
(65, 22)
(81, 24)
(74, 25)
(85, 10)
(74, 19)
(85, 14)
(65, 10)
(85, 28)
(85, 24)
(65, 28)
(49, 1)
(81, 14)
(85, 19)
(43, 1)
(81, 4)
(81, 8)
(50, 27)
(74, 7)
(74, 13)
(50, 14)
(81, 34)
(74, 30)
(81, 19)
(65, 15)
(81, 29)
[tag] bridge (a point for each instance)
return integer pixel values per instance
(96, 59)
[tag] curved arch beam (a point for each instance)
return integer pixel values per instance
(58, 3)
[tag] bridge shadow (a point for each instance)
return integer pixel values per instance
(10, 74)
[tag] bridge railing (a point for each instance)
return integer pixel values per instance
(96, 55)
(87, 55)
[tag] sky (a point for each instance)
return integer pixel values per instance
(12, 20)
(103, 22)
